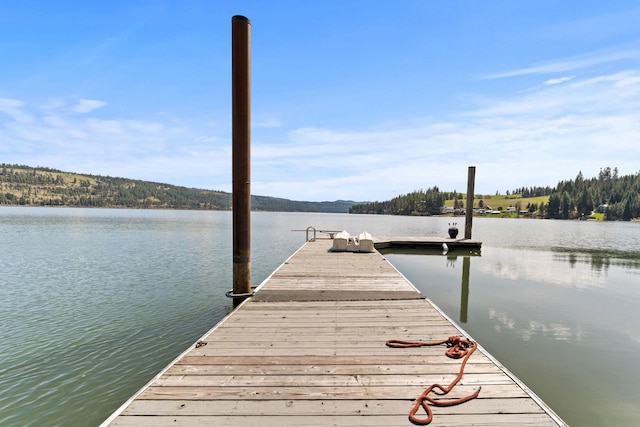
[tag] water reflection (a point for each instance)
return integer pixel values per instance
(464, 293)
(564, 320)
(504, 322)
(451, 260)
(598, 259)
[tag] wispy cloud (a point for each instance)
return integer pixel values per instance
(266, 122)
(87, 105)
(572, 63)
(56, 136)
(14, 109)
(558, 81)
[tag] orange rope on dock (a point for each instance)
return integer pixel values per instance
(457, 348)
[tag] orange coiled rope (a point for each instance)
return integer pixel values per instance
(457, 348)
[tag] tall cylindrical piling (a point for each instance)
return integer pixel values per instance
(241, 155)
(471, 183)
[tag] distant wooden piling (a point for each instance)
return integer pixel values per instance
(241, 153)
(471, 183)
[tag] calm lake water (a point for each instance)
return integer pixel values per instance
(93, 302)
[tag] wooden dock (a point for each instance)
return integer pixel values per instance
(309, 350)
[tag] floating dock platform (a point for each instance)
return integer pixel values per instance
(308, 349)
(426, 243)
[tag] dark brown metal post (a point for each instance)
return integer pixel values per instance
(241, 153)
(471, 183)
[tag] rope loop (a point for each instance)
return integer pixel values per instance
(457, 347)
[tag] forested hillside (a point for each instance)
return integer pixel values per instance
(611, 196)
(434, 202)
(29, 186)
(418, 202)
(618, 197)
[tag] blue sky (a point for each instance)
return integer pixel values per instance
(359, 100)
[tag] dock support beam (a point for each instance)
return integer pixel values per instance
(241, 156)
(471, 183)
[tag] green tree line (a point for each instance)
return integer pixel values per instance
(419, 202)
(618, 197)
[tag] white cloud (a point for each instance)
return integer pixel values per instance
(572, 63)
(87, 105)
(14, 109)
(267, 122)
(144, 127)
(169, 151)
(557, 81)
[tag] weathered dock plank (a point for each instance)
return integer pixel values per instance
(320, 407)
(309, 349)
(359, 420)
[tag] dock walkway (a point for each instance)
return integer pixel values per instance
(309, 350)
